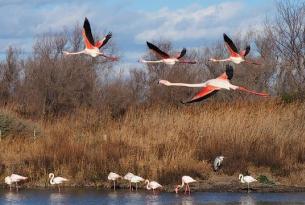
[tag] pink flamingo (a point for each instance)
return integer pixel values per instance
(92, 48)
(186, 180)
(166, 58)
(235, 56)
(210, 87)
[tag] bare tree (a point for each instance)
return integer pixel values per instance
(9, 75)
(138, 86)
(288, 35)
(56, 84)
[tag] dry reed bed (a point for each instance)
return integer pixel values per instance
(164, 143)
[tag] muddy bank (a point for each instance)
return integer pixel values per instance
(200, 186)
(194, 188)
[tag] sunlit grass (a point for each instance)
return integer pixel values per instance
(163, 143)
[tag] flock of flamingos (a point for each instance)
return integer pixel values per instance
(209, 87)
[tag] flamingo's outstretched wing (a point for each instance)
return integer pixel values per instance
(228, 75)
(204, 93)
(87, 34)
(102, 42)
(230, 45)
(245, 52)
(154, 48)
(183, 52)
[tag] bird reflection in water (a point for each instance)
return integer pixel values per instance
(113, 195)
(13, 198)
(134, 198)
(57, 198)
(153, 199)
(247, 200)
(187, 200)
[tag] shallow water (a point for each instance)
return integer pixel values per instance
(93, 197)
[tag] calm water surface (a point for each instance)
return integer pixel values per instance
(93, 197)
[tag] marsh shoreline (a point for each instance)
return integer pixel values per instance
(201, 186)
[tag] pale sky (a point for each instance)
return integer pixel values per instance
(189, 24)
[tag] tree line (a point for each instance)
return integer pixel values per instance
(47, 83)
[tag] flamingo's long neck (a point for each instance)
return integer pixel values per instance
(242, 179)
(147, 186)
(145, 61)
(182, 185)
(51, 180)
(199, 85)
(220, 60)
(73, 53)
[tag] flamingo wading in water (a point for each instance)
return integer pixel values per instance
(128, 177)
(113, 177)
(166, 58)
(210, 87)
(57, 180)
(186, 180)
(136, 180)
(92, 48)
(14, 178)
(236, 56)
(152, 185)
(246, 179)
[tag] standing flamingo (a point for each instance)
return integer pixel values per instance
(235, 56)
(92, 48)
(136, 180)
(152, 185)
(128, 177)
(57, 180)
(14, 178)
(166, 58)
(246, 179)
(113, 177)
(210, 87)
(185, 181)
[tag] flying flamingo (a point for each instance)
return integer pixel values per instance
(113, 177)
(92, 48)
(236, 56)
(152, 185)
(14, 178)
(136, 180)
(128, 177)
(185, 181)
(57, 180)
(210, 87)
(166, 58)
(246, 179)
